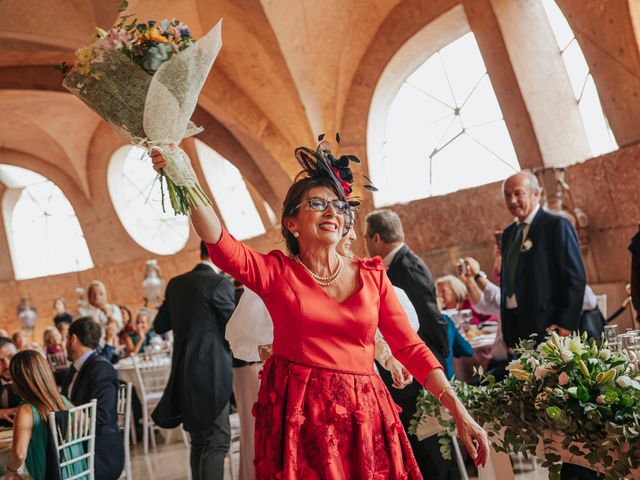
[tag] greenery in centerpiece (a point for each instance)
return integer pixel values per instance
(567, 391)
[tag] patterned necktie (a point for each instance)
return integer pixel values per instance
(511, 260)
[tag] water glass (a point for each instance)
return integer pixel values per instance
(610, 333)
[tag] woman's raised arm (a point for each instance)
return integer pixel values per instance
(204, 219)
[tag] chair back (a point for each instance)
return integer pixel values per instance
(73, 433)
(152, 371)
(124, 422)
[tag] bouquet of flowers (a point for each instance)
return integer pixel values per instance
(144, 79)
(565, 392)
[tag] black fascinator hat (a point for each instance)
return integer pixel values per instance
(321, 163)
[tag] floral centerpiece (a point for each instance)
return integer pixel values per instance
(564, 393)
(144, 80)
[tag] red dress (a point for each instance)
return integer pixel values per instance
(322, 412)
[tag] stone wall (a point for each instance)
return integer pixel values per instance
(440, 229)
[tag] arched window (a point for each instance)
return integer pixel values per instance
(136, 196)
(43, 231)
(230, 193)
(445, 130)
(595, 122)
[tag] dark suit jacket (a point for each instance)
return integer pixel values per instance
(408, 272)
(197, 307)
(550, 279)
(98, 379)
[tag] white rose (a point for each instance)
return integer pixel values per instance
(567, 356)
(563, 379)
(600, 399)
(625, 381)
(605, 354)
(540, 373)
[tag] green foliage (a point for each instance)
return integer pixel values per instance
(567, 389)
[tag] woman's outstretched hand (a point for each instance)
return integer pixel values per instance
(474, 437)
(158, 161)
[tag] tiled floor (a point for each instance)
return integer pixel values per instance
(171, 462)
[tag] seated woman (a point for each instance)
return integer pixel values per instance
(141, 336)
(34, 384)
(453, 294)
(54, 348)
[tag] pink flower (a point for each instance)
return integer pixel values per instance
(118, 38)
(563, 379)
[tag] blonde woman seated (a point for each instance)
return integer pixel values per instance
(33, 382)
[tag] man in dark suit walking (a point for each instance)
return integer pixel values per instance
(197, 307)
(384, 236)
(93, 376)
(543, 278)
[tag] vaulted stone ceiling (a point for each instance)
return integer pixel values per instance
(289, 70)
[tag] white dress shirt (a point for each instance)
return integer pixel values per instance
(512, 302)
(388, 258)
(79, 362)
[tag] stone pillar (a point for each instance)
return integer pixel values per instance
(543, 80)
(605, 32)
(495, 54)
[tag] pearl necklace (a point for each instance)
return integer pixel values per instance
(323, 281)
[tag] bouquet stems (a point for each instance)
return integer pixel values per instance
(182, 199)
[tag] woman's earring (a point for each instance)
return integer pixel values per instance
(296, 234)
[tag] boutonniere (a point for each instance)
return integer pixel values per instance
(526, 246)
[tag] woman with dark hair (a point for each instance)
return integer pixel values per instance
(322, 412)
(33, 382)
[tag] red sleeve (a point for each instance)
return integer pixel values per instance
(253, 269)
(405, 344)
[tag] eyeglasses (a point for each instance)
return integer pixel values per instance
(320, 204)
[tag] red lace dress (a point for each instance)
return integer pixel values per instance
(322, 412)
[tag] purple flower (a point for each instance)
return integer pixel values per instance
(152, 23)
(185, 33)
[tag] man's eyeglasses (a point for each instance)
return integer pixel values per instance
(320, 204)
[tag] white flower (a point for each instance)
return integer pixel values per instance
(572, 390)
(532, 362)
(526, 246)
(540, 373)
(567, 356)
(601, 399)
(624, 381)
(575, 346)
(605, 354)
(563, 379)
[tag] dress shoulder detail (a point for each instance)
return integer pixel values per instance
(374, 263)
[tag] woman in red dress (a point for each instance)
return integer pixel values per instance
(322, 412)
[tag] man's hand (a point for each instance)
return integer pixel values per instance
(563, 332)
(401, 376)
(7, 414)
(473, 266)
